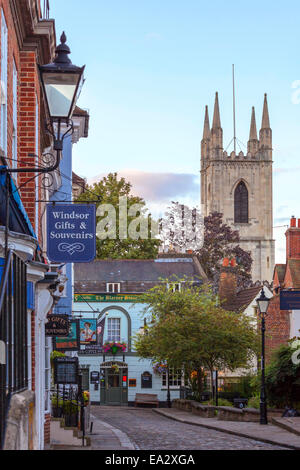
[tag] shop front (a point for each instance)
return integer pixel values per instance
(114, 383)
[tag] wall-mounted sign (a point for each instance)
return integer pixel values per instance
(95, 377)
(290, 300)
(88, 331)
(130, 298)
(70, 342)
(132, 382)
(146, 380)
(65, 370)
(71, 233)
(90, 350)
(57, 325)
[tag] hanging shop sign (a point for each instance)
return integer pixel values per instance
(88, 331)
(71, 233)
(57, 325)
(290, 300)
(130, 298)
(70, 342)
(65, 370)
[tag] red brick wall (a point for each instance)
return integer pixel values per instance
(47, 429)
(277, 326)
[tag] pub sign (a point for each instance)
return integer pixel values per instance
(57, 325)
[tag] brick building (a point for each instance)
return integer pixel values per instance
(283, 325)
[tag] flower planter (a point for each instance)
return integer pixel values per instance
(71, 421)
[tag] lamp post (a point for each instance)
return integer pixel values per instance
(263, 303)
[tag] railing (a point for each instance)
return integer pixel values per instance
(13, 334)
(46, 10)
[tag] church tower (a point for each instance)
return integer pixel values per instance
(240, 187)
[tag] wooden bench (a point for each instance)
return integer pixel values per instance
(146, 399)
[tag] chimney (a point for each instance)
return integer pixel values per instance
(293, 240)
(228, 282)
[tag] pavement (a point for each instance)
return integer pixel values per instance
(271, 434)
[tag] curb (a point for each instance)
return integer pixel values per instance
(226, 431)
(284, 426)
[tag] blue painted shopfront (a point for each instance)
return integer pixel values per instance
(131, 320)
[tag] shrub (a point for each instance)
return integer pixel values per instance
(254, 402)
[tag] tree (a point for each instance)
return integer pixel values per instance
(112, 242)
(190, 329)
(220, 242)
(283, 378)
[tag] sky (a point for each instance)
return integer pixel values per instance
(153, 65)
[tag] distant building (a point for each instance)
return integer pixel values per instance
(111, 289)
(240, 187)
(78, 185)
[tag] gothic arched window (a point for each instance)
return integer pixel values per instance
(241, 204)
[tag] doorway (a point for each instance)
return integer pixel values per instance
(114, 383)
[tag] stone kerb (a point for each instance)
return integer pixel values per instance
(226, 413)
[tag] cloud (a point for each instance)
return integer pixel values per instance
(159, 187)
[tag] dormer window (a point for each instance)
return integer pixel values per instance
(113, 287)
(174, 286)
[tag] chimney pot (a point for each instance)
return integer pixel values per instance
(226, 262)
(233, 263)
(293, 222)
(298, 223)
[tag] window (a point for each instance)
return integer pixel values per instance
(175, 286)
(114, 329)
(175, 378)
(47, 373)
(241, 204)
(113, 287)
(14, 162)
(3, 136)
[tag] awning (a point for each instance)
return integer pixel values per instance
(19, 221)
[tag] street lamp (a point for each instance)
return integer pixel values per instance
(61, 83)
(263, 304)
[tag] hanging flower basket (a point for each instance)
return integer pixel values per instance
(114, 348)
(159, 368)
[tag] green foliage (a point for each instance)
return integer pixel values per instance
(189, 328)
(109, 189)
(55, 354)
(254, 402)
(283, 378)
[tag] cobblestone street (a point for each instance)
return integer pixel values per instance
(150, 431)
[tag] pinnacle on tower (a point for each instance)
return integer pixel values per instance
(265, 134)
(265, 119)
(206, 130)
(217, 132)
(205, 143)
(217, 120)
(253, 140)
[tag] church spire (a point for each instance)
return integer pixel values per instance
(205, 143)
(253, 140)
(217, 131)
(265, 134)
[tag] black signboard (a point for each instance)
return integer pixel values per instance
(95, 377)
(290, 300)
(146, 380)
(57, 325)
(65, 370)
